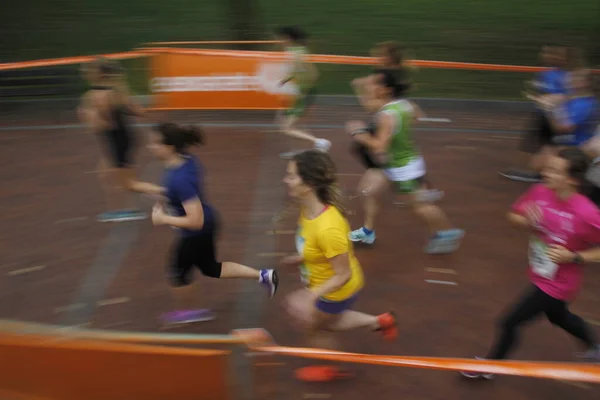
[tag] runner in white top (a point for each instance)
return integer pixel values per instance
(305, 75)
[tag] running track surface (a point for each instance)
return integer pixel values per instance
(447, 306)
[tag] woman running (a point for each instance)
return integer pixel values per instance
(329, 270)
(105, 109)
(403, 164)
(574, 118)
(564, 225)
(548, 85)
(390, 57)
(196, 222)
(305, 75)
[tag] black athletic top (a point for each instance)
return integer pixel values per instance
(117, 114)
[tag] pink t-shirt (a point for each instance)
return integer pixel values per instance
(573, 223)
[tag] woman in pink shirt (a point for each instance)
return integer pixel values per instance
(565, 228)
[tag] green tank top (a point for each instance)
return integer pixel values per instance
(299, 71)
(402, 148)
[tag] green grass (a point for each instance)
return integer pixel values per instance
(489, 31)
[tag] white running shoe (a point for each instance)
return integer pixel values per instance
(323, 145)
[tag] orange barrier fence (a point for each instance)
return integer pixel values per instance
(189, 81)
(234, 79)
(34, 346)
(34, 368)
(55, 331)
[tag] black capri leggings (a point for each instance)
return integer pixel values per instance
(119, 145)
(540, 134)
(532, 304)
(194, 251)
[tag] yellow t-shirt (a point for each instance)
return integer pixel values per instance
(320, 239)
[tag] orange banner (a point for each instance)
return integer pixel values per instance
(219, 81)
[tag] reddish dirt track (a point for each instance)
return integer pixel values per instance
(49, 238)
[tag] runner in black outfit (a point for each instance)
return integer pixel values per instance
(105, 109)
(196, 222)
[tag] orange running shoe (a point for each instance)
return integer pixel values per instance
(388, 325)
(321, 373)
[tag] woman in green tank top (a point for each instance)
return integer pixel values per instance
(402, 164)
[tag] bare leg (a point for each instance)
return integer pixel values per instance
(288, 128)
(319, 336)
(350, 320)
(230, 270)
(446, 238)
(371, 186)
(433, 216)
(107, 184)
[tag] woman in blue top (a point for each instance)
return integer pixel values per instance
(574, 118)
(548, 84)
(195, 220)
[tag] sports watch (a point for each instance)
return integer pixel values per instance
(577, 259)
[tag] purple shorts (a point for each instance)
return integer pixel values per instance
(336, 307)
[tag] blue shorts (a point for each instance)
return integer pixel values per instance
(336, 307)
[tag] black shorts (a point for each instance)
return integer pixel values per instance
(194, 251)
(119, 146)
(539, 135)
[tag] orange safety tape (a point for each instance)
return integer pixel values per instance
(316, 58)
(564, 371)
(69, 60)
(261, 342)
(213, 42)
(348, 60)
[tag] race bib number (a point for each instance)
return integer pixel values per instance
(539, 260)
(304, 274)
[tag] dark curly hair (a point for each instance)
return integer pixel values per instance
(180, 137)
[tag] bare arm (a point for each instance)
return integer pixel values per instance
(148, 188)
(194, 218)
(293, 260)
(379, 142)
(560, 255)
(518, 220)
(417, 111)
(89, 114)
(313, 72)
(590, 256)
(342, 274)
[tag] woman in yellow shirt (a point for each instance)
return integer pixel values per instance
(331, 273)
